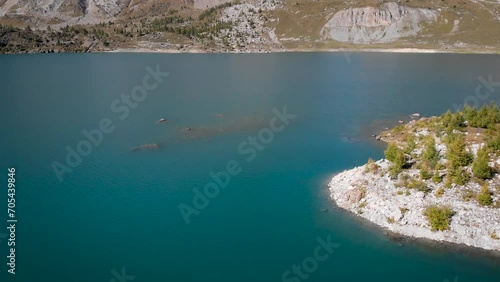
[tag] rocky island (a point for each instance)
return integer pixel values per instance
(439, 180)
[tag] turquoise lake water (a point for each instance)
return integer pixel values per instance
(120, 208)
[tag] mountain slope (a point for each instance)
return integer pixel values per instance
(265, 25)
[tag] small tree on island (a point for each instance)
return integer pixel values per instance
(456, 154)
(397, 157)
(484, 197)
(430, 154)
(392, 151)
(480, 166)
(439, 217)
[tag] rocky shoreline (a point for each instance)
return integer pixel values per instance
(372, 193)
(380, 203)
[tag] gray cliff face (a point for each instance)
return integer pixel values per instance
(376, 24)
(98, 9)
(63, 9)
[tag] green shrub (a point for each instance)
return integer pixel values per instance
(470, 115)
(436, 178)
(397, 157)
(484, 197)
(486, 117)
(493, 139)
(480, 166)
(391, 152)
(438, 217)
(394, 170)
(418, 185)
(430, 154)
(410, 144)
(425, 173)
(452, 121)
(440, 166)
(460, 177)
(398, 129)
(456, 154)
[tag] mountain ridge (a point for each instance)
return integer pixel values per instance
(248, 25)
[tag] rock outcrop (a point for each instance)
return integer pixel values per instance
(442, 181)
(249, 32)
(377, 199)
(72, 12)
(376, 24)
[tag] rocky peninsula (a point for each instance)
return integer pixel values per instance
(439, 180)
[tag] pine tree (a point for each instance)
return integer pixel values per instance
(397, 157)
(455, 153)
(484, 197)
(430, 153)
(480, 167)
(391, 152)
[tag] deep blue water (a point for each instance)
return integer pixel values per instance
(120, 208)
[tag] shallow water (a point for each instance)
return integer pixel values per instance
(121, 209)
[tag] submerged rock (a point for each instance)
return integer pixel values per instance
(145, 147)
(185, 129)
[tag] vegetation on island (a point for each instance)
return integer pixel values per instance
(456, 150)
(438, 217)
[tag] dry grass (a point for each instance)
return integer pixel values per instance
(477, 28)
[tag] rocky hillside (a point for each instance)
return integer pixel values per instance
(439, 180)
(377, 24)
(248, 25)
